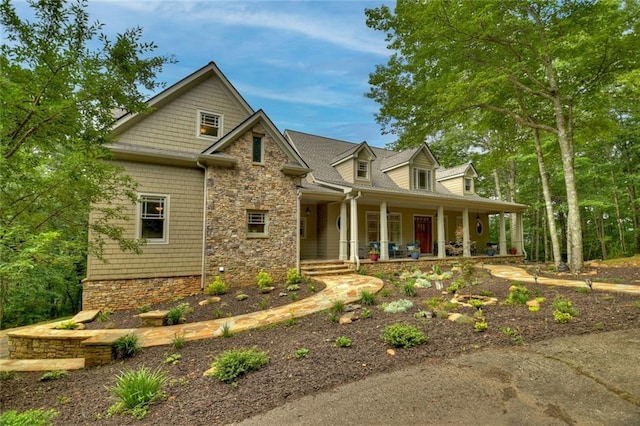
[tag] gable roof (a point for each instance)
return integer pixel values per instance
(296, 163)
(127, 120)
(351, 153)
(457, 171)
(405, 157)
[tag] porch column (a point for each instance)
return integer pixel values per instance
(466, 250)
(441, 241)
(520, 236)
(354, 229)
(384, 232)
(344, 242)
(503, 236)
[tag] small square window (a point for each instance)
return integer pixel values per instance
(209, 125)
(422, 179)
(153, 215)
(257, 150)
(363, 170)
(257, 223)
(468, 185)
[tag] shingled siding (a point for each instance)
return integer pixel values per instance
(248, 186)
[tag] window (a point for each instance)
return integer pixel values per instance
(257, 223)
(257, 149)
(394, 227)
(422, 179)
(363, 170)
(209, 125)
(153, 218)
(303, 227)
(468, 185)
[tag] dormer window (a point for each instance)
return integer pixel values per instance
(363, 170)
(209, 125)
(468, 185)
(422, 179)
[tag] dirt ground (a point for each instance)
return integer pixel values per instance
(191, 398)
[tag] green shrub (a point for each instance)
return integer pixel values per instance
(403, 336)
(480, 326)
(409, 289)
(28, 417)
(178, 314)
(172, 359)
(518, 295)
(367, 297)
(337, 306)
(126, 346)
(263, 303)
(53, 375)
(433, 302)
(241, 296)
(226, 330)
(293, 287)
(7, 375)
(343, 342)
(385, 292)
(476, 303)
(178, 341)
(397, 306)
(561, 317)
(301, 353)
(515, 335)
(293, 277)
(231, 364)
(217, 287)
(136, 390)
(264, 281)
(143, 309)
(67, 325)
(564, 306)
(366, 313)
(103, 315)
(582, 290)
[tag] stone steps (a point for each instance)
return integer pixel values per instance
(325, 267)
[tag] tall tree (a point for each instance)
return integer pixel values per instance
(58, 94)
(539, 62)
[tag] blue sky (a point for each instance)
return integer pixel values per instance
(305, 63)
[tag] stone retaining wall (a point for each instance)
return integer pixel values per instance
(68, 345)
(398, 265)
(133, 293)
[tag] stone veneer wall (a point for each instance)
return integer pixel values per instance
(38, 347)
(133, 293)
(248, 186)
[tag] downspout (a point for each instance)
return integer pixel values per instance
(203, 271)
(299, 194)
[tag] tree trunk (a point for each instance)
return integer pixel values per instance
(511, 197)
(546, 194)
(616, 202)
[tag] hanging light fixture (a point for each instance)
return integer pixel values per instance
(307, 211)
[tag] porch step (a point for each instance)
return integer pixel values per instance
(325, 267)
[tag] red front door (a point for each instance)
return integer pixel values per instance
(422, 229)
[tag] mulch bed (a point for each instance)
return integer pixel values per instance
(83, 398)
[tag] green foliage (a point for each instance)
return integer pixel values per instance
(126, 346)
(293, 287)
(57, 113)
(172, 359)
(293, 276)
(433, 302)
(232, 364)
(367, 297)
(217, 287)
(7, 375)
(343, 342)
(637, 304)
(582, 290)
(54, 375)
(397, 306)
(333, 317)
(263, 303)
(103, 315)
(515, 335)
(67, 325)
(409, 289)
(301, 353)
(366, 313)
(337, 306)
(28, 417)
(241, 296)
(136, 390)
(218, 313)
(264, 281)
(480, 326)
(518, 295)
(561, 317)
(476, 303)
(226, 330)
(178, 313)
(143, 309)
(385, 292)
(564, 306)
(403, 336)
(178, 341)
(293, 297)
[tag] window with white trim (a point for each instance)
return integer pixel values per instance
(363, 170)
(257, 223)
(468, 185)
(152, 213)
(422, 179)
(394, 227)
(257, 153)
(209, 125)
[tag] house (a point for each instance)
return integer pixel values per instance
(223, 192)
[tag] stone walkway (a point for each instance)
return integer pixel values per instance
(338, 287)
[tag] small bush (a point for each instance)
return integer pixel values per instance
(403, 336)
(28, 417)
(397, 306)
(143, 309)
(136, 390)
(480, 326)
(293, 277)
(343, 342)
(241, 296)
(433, 302)
(409, 289)
(263, 303)
(178, 341)
(104, 315)
(264, 281)
(7, 375)
(385, 292)
(337, 306)
(293, 297)
(67, 325)
(582, 290)
(53, 375)
(173, 359)
(333, 317)
(367, 297)
(178, 314)
(234, 363)
(126, 346)
(561, 317)
(293, 287)
(301, 353)
(366, 313)
(564, 306)
(218, 313)
(217, 287)
(518, 295)
(476, 303)
(226, 330)
(515, 335)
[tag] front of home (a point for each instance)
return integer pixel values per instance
(222, 192)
